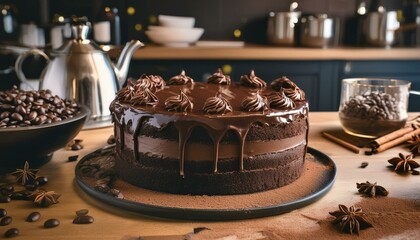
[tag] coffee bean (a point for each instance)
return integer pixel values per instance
(82, 212)
(17, 116)
(33, 217)
(7, 187)
(84, 219)
(32, 186)
(364, 164)
(52, 222)
(4, 115)
(12, 232)
(20, 108)
(41, 180)
(3, 212)
(5, 220)
(21, 195)
(73, 158)
(76, 147)
(5, 199)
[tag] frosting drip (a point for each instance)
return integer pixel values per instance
(279, 100)
(252, 80)
(180, 79)
(290, 88)
(179, 103)
(219, 78)
(216, 125)
(254, 103)
(217, 105)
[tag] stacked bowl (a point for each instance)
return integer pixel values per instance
(174, 31)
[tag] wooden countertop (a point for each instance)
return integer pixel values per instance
(259, 52)
(113, 223)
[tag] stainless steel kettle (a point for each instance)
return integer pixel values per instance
(80, 70)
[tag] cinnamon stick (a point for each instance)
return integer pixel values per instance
(391, 136)
(396, 141)
(342, 143)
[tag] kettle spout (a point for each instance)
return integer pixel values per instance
(121, 69)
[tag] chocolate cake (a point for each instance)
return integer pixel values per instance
(210, 138)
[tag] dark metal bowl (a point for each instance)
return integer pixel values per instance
(36, 144)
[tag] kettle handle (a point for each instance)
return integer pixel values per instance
(19, 62)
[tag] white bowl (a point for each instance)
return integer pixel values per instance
(176, 31)
(171, 39)
(176, 21)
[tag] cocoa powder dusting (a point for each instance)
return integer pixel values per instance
(392, 218)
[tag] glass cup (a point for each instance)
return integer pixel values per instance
(373, 107)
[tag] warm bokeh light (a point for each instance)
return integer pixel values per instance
(131, 10)
(237, 33)
(138, 27)
(153, 19)
(227, 69)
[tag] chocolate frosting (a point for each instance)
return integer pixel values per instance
(156, 82)
(138, 93)
(131, 117)
(252, 80)
(279, 100)
(290, 88)
(180, 79)
(219, 78)
(144, 96)
(254, 103)
(179, 103)
(145, 82)
(217, 105)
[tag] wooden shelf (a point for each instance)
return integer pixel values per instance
(259, 52)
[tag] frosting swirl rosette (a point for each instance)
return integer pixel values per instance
(179, 103)
(144, 96)
(180, 79)
(254, 103)
(290, 88)
(126, 93)
(252, 80)
(279, 100)
(153, 82)
(217, 105)
(219, 78)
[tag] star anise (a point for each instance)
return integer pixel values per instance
(43, 198)
(403, 163)
(371, 189)
(351, 220)
(414, 145)
(25, 175)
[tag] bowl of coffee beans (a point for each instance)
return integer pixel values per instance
(34, 124)
(372, 107)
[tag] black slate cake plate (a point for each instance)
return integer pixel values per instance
(325, 175)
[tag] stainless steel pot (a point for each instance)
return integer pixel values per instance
(318, 31)
(281, 27)
(381, 28)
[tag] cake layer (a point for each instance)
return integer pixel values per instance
(167, 178)
(201, 151)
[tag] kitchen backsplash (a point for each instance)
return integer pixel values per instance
(244, 20)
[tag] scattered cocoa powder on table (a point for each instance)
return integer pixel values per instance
(390, 217)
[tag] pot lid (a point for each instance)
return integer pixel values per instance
(80, 42)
